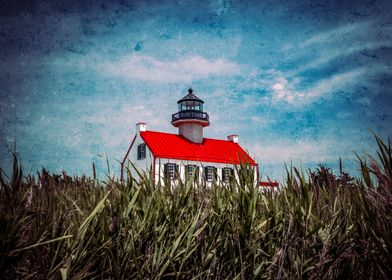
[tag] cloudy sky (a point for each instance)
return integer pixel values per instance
(299, 81)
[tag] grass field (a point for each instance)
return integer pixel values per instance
(319, 226)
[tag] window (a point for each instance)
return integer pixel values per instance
(190, 105)
(199, 107)
(141, 151)
(227, 173)
(209, 173)
(170, 171)
(191, 170)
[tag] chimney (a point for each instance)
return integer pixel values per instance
(141, 127)
(233, 138)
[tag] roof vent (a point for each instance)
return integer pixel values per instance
(141, 127)
(233, 138)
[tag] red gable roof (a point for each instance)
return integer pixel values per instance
(166, 145)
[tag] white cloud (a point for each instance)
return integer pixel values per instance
(260, 121)
(363, 101)
(147, 68)
(273, 155)
(281, 151)
(344, 114)
(220, 6)
(334, 83)
(325, 48)
(114, 124)
(283, 90)
(344, 31)
(329, 55)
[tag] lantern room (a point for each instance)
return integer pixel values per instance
(190, 102)
(190, 109)
(190, 118)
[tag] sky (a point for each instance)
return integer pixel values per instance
(301, 82)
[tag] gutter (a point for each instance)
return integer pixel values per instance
(125, 158)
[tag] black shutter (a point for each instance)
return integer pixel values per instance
(210, 171)
(143, 150)
(138, 152)
(187, 175)
(197, 173)
(225, 174)
(165, 171)
(176, 171)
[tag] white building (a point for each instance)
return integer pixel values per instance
(187, 154)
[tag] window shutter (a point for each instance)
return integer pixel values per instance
(176, 171)
(227, 174)
(197, 173)
(215, 174)
(141, 151)
(210, 173)
(166, 171)
(187, 175)
(191, 170)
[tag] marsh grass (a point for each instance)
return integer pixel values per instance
(319, 226)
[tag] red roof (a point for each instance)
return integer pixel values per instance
(268, 184)
(174, 146)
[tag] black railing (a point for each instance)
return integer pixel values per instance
(190, 114)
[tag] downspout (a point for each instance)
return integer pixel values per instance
(125, 158)
(153, 174)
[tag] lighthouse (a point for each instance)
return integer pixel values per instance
(190, 118)
(188, 155)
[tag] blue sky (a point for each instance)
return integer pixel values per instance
(300, 82)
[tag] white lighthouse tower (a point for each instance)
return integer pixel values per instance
(190, 118)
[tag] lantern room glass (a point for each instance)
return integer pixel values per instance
(190, 105)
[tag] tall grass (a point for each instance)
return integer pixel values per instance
(319, 226)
